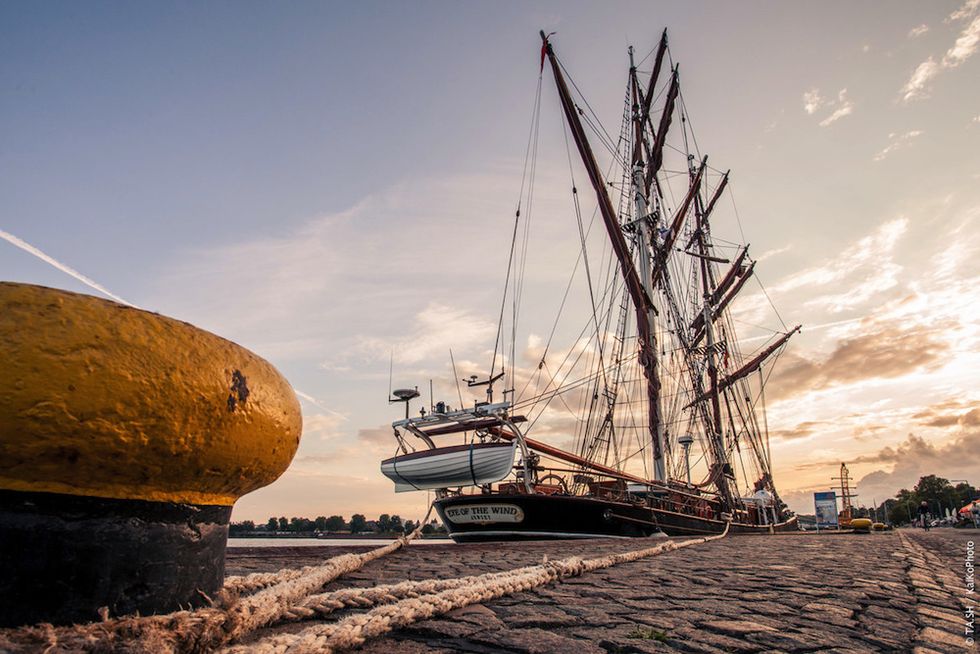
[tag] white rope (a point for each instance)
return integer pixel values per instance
(288, 595)
(202, 629)
(355, 630)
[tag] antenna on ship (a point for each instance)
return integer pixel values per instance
(476, 381)
(405, 395)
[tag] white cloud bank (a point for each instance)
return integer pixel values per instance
(965, 46)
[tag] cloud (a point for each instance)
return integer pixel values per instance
(897, 141)
(916, 32)
(813, 102)
(338, 286)
(963, 48)
(768, 254)
(378, 438)
(917, 86)
(844, 107)
(880, 351)
(433, 331)
(869, 254)
(801, 430)
(863, 271)
(949, 413)
(917, 457)
(323, 426)
(968, 9)
(904, 463)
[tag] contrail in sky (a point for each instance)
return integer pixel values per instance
(312, 400)
(27, 247)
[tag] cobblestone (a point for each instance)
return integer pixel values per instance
(881, 592)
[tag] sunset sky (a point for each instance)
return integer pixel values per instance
(331, 183)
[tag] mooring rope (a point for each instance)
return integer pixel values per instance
(356, 629)
(292, 598)
(200, 630)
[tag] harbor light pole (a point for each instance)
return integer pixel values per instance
(685, 442)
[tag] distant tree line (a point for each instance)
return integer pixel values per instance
(385, 525)
(938, 493)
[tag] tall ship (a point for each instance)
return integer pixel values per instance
(659, 405)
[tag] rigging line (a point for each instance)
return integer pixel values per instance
(759, 448)
(769, 300)
(571, 412)
(519, 280)
(513, 242)
(642, 61)
(564, 361)
(585, 254)
(771, 369)
(687, 122)
(684, 112)
(605, 428)
(535, 117)
(708, 167)
(581, 333)
(608, 145)
(568, 288)
(558, 392)
(765, 416)
(581, 95)
(459, 391)
(738, 218)
(559, 388)
(564, 388)
(772, 331)
(503, 303)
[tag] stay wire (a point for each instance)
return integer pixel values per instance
(517, 217)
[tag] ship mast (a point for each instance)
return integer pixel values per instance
(642, 222)
(639, 284)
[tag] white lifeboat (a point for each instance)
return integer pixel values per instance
(442, 467)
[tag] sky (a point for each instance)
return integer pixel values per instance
(332, 185)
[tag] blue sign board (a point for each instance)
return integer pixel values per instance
(825, 505)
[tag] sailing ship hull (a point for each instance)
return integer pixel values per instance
(499, 517)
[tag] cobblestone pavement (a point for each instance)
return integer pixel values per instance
(898, 591)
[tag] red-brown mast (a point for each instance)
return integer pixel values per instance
(641, 302)
(747, 369)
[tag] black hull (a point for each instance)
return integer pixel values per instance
(482, 518)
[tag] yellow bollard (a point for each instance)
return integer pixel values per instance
(861, 525)
(125, 439)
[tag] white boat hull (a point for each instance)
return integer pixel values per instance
(444, 467)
